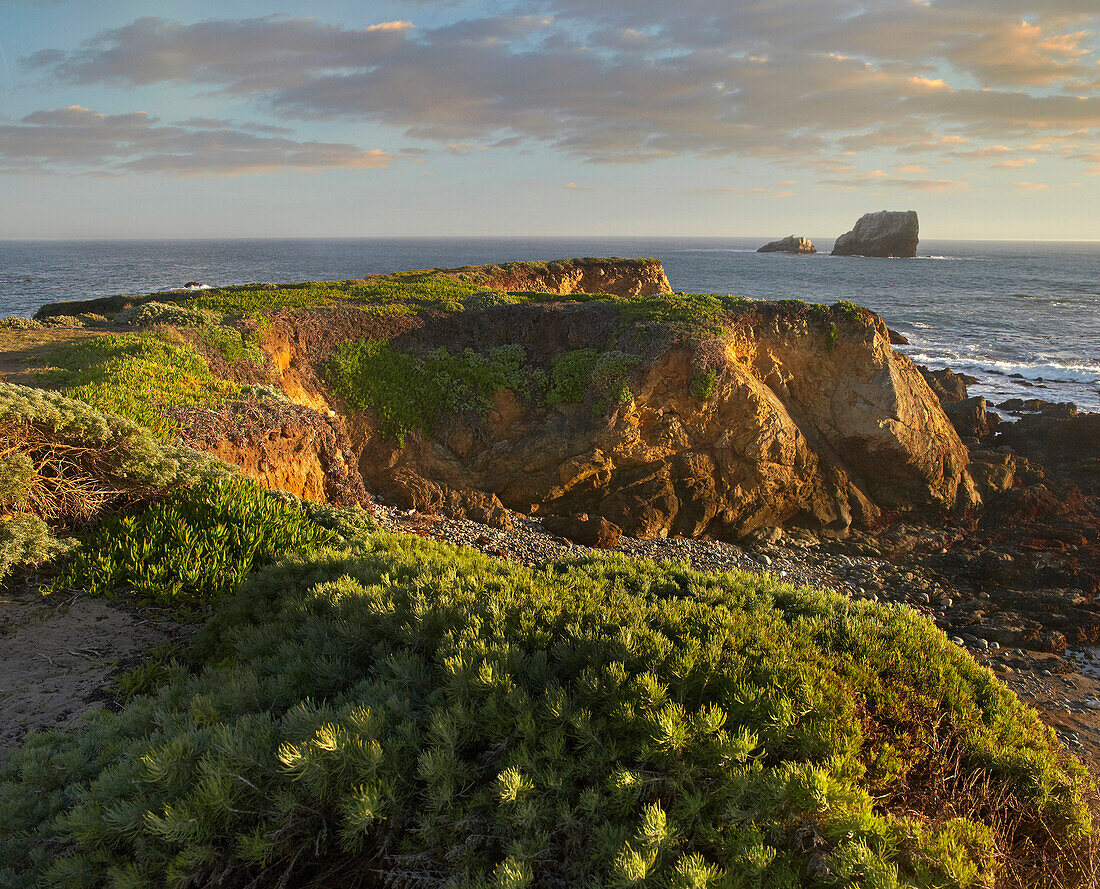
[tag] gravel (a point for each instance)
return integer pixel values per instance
(804, 561)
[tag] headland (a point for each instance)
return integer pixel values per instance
(538, 411)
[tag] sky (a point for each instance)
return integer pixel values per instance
(195, 118)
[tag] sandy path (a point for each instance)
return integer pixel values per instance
(55, 656)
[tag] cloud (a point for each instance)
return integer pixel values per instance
(723, 191)
(878, 178)
(573, 186)
(625, 81)
(1030, 186)
(1089, 156)
(77, 139)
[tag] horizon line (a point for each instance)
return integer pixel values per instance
(502, 237)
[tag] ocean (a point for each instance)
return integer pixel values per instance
(1024, 318)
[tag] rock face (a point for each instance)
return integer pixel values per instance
(808, 422)
(1071, 443)
(887, 233)
(285, 447)
(789, 244)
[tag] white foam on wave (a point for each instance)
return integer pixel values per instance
(1050, 371)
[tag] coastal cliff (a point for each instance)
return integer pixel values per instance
(722, 437)
(775, 414)
(614, 276)
(657, 413)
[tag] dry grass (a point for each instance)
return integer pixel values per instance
(942, 786)
(1051, 863)
(71, 482)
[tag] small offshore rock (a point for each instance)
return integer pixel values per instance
(789, 244)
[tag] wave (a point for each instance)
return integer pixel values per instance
(1052, 372)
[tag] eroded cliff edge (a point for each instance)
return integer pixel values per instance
(579, 387)
(767, 414)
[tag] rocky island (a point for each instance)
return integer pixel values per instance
(887, 233)
(856, 545)
(789, 244)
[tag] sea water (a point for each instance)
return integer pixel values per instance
(1022, 317)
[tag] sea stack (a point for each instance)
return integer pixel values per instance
(887, 233)
(789, 244)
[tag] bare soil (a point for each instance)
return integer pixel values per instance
(23, 352)
(57, 656)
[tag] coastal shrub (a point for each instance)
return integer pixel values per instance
(15, 322)
(408, 394)
(692, 315)
(17, 476)
(231, 344)
(149, 313)
(61, 462)
(192, 547)
(407, 713)
(134, 376)
(27, 540)
(488, 299)
(583, 374)
(71, 322)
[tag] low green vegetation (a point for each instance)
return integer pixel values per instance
(704, 384)
(192, 547)
(25, 539)
(147, 314)
(403, 712)
(588, 375)
(231, 344)
(850, 310)
(692, 315)
(408, 394)
(369, 709)
(402, 292)
(157, 667)
(134, 376)
(15, 322)
(454, 290)
(62, 462)
(65, 322)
